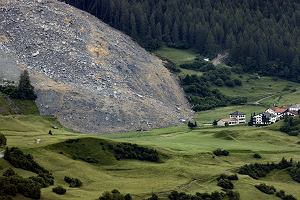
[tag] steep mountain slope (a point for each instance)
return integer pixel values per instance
(90, 76)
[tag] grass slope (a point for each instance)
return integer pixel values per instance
(177, 56)
(190, 167)
(15, 106)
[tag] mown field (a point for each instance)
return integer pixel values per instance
(188, 164)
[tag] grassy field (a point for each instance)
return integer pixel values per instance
(190, 166)
(280, 92)
(14, 106)
(208, 116)
(177, 56)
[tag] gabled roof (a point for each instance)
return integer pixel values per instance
(295, 106)
(237, 113)
(279, 110)
(229, 120)
(269, 115)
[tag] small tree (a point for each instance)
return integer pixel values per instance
(251, 122)
(25, 90)
(3, 140)
(50, 132)
(215, 122)
(192, 125)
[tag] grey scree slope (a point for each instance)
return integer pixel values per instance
(90, 76)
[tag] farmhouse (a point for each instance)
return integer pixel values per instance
(240, 116)
(227, 122)
(294, 108)
(265, 118)
(278, 111)
(235, 118)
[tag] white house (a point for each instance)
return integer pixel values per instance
(279, 112)
(294, 108)
(240, 116)
(229, 122)
(269, 118)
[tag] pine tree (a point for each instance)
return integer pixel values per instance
(25, 90)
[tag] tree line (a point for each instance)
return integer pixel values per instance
(260, 36)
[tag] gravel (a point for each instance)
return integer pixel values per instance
(93, 78)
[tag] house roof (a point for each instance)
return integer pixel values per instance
(237, 113)
(295, 106)
(279, 110)
(229, 120)
(269, 115)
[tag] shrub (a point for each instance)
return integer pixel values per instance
(258, 170)
(9, 172)
(233, 177)
(3, 140)
(221, 152)
(20, 160)
(257, 156)
(192, 125)
(73, 182)
(237, 82)
(153, 197)
(225, 183)
(295, 172)
(205, 196)
(133, 151)
(229, 83)
(266, 188)
(114, 195)
(59, 190)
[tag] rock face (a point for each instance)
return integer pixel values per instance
(90, 76)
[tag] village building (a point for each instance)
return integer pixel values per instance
(235, 118)
(294, 108)
(240, 116)
(278, 111)
(227, 122)
(265, 118)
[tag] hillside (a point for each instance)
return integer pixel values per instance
(189, 167)
(88, 75)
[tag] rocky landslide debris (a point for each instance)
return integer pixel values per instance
(90, 76)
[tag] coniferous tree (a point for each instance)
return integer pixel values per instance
(25, 90)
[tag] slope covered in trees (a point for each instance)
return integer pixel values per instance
(260, 35)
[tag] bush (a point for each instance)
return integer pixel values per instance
(59, 190)
(229, 83)
(258, 170)
(20, 160)
(291, 126)
(257, 156)
(115, 195)
(153, 197)
(9, 172)
(73, 182)
(3, 140)
(237, 82)
(225, 183)
(295, 172)
(205, 196)
(266, 188)
(192, 125)
(133, 151)
(221, 152)
(233, 177)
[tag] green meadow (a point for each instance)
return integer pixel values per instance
(188, 164)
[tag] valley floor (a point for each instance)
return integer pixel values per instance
(189, 164)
